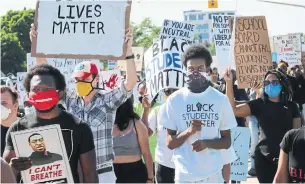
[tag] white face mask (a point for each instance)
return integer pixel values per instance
(5, 112)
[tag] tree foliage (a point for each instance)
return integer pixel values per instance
(15, 41)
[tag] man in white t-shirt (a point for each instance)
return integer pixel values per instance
(199, 119)
(164, 167)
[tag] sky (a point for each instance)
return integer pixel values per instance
(280, 19)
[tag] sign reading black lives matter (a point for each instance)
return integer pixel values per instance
(222, 40)
(81, 29)
(163, 67)
(179, 30)
(46, 149)
(252, 51)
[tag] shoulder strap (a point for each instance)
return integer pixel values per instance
(134, 125)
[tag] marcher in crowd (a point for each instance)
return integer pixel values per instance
(130, 144)
(199, 119)
(45, 86)
(275, 109)
(9, 110)
(98, 108)
(291, 167)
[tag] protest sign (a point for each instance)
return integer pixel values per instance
(303, 59)
(139, 54)
(112, 65)
(179, 30)
(289, 48)
(274, 57)
(111, 79)
(20, 88)
(81, 29)
(240, 140)
(251, 51)
(222, 40)
(51, 168)
(163, 67)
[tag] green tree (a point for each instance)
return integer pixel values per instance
(12, 54)
(212, 49)
(144, 33)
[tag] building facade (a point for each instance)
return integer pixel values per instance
(204, 23)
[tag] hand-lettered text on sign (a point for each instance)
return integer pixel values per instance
(252, 51)
(179, 30)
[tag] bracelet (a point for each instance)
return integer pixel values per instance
(130, 57)
(150, 179)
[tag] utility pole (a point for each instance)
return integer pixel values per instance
(282, 3)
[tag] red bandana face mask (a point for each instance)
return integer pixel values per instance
(43, 100)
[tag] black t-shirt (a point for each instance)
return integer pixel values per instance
(293, 145)
(77, 136)
(3, 135)
(274, 120)
(299, 93)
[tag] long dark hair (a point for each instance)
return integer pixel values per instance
(286, 92)
(124, 114)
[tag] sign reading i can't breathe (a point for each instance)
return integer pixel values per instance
(81, 29)
(163, 67)
(179, 30)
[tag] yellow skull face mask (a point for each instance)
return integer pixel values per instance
(83, 88)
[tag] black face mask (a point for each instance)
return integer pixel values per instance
(197, 83)
(140, 99)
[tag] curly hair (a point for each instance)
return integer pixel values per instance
(286, 93)
(45, 69)
(197, 51)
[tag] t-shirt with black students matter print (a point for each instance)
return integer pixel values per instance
(293, 145)
(214, 109)
(77, 136)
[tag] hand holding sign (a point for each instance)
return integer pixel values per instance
(20, 164)
(228, 76)
(145, 102)
(199, 145)
(196, 126)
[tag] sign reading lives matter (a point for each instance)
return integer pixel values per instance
(46, 149)
(240, 140)
(163, 67)
(288, 48)
(179, 30)
(81, 29)
(252, 51)
(222, 40)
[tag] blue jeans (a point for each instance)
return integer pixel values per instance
(253, 125)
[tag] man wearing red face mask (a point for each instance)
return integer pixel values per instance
(45, 86)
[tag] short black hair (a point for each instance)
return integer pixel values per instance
(45, 69)
(29, 139)
(197, 51)
(142, 83)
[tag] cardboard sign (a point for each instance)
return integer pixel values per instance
(111, 79)
(240, 140)
(179, 30)
(139, 54)
(289, 48)
(163, 67)
(55, 167)
(252, 51)
(222, 40)
(20, 88)
(81, 29)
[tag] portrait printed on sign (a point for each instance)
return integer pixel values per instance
(45, 147)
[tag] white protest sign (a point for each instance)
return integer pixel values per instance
(111, 79)
(179, 30)
(222, 40)
(163, 67)
(81, 29)
(53, 168)
(20, 88)
(65, 66)
(288, 48)
(139, 54)
(240, 140)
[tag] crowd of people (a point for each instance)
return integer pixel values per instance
(111, 132)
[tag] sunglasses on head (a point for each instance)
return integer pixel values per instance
(273, 82)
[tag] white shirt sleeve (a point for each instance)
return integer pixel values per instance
(228, 120)
(228, 155)
(170, 115)
(152, 120)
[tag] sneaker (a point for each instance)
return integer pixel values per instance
(252, 172)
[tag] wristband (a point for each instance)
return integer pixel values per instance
(130, 57)
(150, 179)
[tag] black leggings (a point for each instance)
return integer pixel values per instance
(164, 174)
(134, 172)
(265, 168)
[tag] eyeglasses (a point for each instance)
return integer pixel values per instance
(273, 82)
(169, 91)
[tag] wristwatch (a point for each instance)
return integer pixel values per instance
(130, 57)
